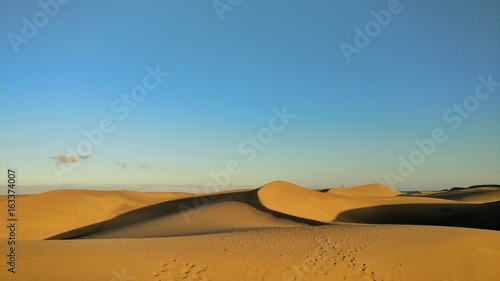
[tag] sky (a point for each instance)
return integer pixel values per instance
(191, 93)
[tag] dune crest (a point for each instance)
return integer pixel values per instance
(369, 190)
(291, 199)
(381, 205)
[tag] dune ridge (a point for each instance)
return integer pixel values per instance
(368, 190)
(67, 214)
(346, 205)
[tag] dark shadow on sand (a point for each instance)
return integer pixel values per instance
(176, 207)
(484, 216)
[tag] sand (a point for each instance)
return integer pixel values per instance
(280, 231)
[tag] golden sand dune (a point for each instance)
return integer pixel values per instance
(280, 231)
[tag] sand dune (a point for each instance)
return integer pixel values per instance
(343, 205)
(219, 217)
(280, 231)
(76, 213)
(473, 195)
(50, 213)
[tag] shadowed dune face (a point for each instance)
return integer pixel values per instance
(215, 218)
(458, 215)
(384, 205)
(211, 213)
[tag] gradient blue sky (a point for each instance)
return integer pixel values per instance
(352, 121)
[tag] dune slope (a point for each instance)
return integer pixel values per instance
(50, 213)
(218, 217)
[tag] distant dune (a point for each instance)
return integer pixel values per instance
(483, 194)
(384, 205)
(369, 190)
(279, 231)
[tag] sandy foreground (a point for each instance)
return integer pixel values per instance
(277, 232)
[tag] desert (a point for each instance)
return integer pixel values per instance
(279, 231)
(238, 140)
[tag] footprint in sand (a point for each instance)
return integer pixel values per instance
(176, 269)
(330, 262)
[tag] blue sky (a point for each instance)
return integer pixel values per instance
(228, 74)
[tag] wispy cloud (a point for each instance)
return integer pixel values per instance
(66, 158)
(122, 165)
(125, 165)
